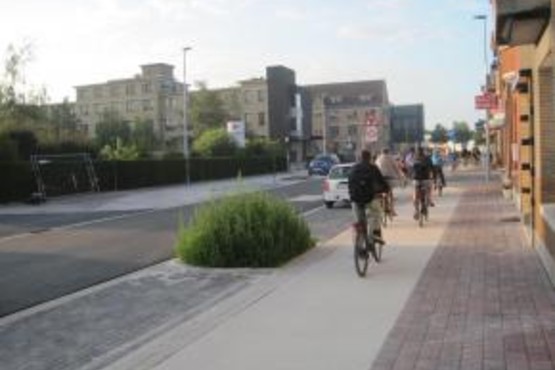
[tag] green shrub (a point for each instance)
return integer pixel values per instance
(243, 230)
(214, 143)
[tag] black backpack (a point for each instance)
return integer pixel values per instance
(364, 182)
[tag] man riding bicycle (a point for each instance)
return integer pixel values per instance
(437, 161)
(422, 174)
(365, 182)
(391, 172)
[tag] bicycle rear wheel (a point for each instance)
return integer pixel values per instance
(379, 250)
(360, 254)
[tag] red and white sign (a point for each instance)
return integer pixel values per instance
(371, 134)
(371, 124)
(372, 118)
(486, 101)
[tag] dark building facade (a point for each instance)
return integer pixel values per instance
(407, 125)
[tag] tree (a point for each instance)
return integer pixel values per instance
(143, 136)
(206, 110)
(19, 105)
(462, 132)
(64, 120)
(110, 128)
(439, 134)
(262, 146)
(215, 143)
(119, 152)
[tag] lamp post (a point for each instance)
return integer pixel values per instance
(325, 125)
(185, 123)
(483, 18)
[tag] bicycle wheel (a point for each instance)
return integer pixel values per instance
(360, 254)
(421, 209)
(379, 250)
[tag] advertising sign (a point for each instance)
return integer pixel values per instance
(486, 101)
(237, 131)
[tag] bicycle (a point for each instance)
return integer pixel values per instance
(438, 185)
(387, 210)
(365, 243)
(421, 203)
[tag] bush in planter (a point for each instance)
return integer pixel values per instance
(244, 230)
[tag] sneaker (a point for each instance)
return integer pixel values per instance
(432, 204)
(378, 239)
(415, 216)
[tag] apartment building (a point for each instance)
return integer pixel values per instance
(154, 96)
(272, 107)
(349, 116)
(304, 118)
(524, 127)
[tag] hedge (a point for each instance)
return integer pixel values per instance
(17, 181)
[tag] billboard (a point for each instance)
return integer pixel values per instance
(237, 131)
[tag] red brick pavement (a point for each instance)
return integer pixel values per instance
(482, 302)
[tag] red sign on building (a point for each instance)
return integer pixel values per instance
(486, 101)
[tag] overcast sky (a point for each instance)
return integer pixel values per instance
(428, 51)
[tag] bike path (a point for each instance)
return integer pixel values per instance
(315, 313)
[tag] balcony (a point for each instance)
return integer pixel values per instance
(520, 22)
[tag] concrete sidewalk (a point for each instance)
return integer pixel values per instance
(313, 314)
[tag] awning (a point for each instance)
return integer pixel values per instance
(520, 22)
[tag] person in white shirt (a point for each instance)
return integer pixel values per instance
(391, 172)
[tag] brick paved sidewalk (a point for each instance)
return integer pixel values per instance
(483, 301)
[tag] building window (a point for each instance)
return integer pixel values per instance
(260, 95)
(336, 99)
(98, 92)
(114, 91)
(147, 105)
(146, 88)
(353, 130)
(333, 131)
(130, 89)
(261, 119)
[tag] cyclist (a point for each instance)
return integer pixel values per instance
(391, 172)
(437, 162)
(422, 172)
(365, 182)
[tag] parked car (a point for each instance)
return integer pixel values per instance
(336, 184)
(322, 164)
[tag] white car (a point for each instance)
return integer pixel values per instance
(336, 184)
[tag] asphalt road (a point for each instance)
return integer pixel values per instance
(49, 263)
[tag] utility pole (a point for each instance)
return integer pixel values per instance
(185, 123)
(484, 18)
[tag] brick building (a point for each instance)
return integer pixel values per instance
(523, 44)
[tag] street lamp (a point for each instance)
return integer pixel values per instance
(483, 18)
(325, 124)
(185, 126)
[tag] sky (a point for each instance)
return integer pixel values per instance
(428, 51)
